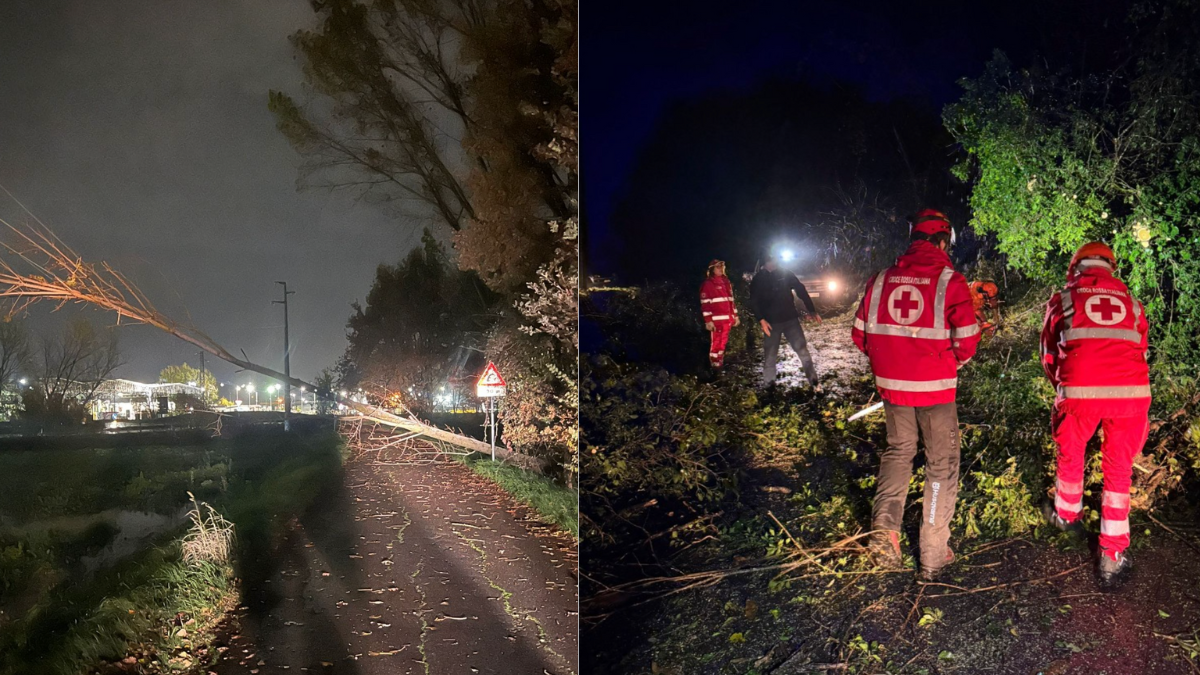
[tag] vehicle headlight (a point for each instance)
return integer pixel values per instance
(833, 285)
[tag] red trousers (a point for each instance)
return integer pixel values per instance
(1123, 440)
(720, 337)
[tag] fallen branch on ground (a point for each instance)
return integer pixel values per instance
(1178, 536)
(1186, 646)
(971, 591)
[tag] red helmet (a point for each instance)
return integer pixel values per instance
(929, 221)
(715, 262)
(1092, 249)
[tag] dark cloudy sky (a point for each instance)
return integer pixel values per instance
(139, 132)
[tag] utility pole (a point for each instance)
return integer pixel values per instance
(287, 357)
(203, 387)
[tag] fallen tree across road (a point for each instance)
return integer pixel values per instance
(36, 265)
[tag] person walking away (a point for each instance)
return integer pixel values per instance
(771, 297)
(916, 324)
(1094, 345)
(719, 311)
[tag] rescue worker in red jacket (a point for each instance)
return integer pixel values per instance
(720, 312)
(1094, 344)
(916, 324)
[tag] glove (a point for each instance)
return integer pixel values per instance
(710, 327)
(736, 321)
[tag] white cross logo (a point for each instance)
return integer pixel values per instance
(905, 304)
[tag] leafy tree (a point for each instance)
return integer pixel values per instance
(325, 384)
(1057, 158)
(524, 137)
(392, 95)
(185, 374)
(417, 100)
(417, 315)
(465, 113)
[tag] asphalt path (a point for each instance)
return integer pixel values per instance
(412, 568)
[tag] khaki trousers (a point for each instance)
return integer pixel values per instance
(938, 426)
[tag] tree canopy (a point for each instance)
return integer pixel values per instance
(185, 374)
(418, 317)
(1058, 157)
(464, 113)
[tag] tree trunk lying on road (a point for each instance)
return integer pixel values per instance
(36, 265)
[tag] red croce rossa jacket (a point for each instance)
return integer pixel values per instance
(916, 323)
(1094, 344)
(716, 300)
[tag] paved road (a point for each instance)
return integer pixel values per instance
(421, 569)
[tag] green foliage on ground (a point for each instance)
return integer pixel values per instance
(61, 510)
(663, 449)
(557, 505)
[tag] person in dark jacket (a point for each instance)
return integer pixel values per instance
(771, 296)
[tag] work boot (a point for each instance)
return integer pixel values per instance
(1114, 569)
(929, 573)
(884, 549)
(1072, 527)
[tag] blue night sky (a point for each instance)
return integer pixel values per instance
(639, 58)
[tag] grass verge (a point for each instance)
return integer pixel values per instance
(151, 610)
(557, 505)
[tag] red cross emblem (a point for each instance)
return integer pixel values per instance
(905, 304)
(1105, 310)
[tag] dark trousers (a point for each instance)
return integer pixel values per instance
(938, 426)
(795, 337)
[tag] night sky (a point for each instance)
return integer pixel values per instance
(139, 132)
(640, 58)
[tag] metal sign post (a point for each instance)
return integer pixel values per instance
(491, 386)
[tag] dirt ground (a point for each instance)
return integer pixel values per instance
(412, 568)
(1063, 625)
(837, 360)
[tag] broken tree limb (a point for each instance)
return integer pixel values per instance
(35, 265)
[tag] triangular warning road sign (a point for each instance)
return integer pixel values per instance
(490, 377)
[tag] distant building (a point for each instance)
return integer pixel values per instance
(129, 400)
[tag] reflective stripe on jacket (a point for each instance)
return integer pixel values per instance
(916, 323)
(716, 300)
(1094, 346)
